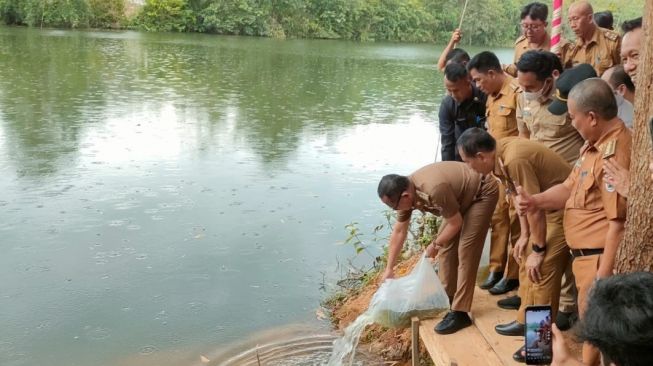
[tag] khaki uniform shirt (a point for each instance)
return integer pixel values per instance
(501, 109)
(602, 51)
(555, 132)
(530, 164)
(443, 189)
(592, 202)
(522, 46)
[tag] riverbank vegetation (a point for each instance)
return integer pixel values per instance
(487, 22)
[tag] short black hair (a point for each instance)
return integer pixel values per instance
(392, 186)
(484, 62)
(535, 10)
(619, 318)
(536, 62)
(457, 55)
(604, 19)
(556, 64)
(619, 76)
(631, 25)
(455, 71)
(475, 140)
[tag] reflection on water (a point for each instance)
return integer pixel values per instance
(168, 194)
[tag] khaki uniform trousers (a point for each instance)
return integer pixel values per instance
(585, 269)
(568, 293)
(505, 231)
(460, 257)
(547, 291)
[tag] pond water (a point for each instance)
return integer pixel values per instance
(165, 195)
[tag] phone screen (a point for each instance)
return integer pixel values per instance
(538, 335)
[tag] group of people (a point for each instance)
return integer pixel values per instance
(537, 152)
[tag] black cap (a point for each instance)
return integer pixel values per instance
(567, 80)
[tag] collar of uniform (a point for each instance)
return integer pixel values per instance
(505, 88)
(475, 98)
(421, 198)
(607, 135)
(594, 39)
(546, 45)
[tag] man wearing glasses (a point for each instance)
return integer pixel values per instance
(534, 35)
(465, 200)
(596, 46)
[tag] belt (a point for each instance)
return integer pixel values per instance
(585, 252)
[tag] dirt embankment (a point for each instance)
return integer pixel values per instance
(392, 344)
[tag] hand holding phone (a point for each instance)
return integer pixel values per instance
(538, 335)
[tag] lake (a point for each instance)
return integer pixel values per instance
(165, 195)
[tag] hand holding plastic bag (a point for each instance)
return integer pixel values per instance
(420, 294)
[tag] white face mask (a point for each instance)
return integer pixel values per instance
(532, 96)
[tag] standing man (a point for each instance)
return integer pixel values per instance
(624, 92)
(465, 200)
(596, 46)
(534, 35)
(541, 248)
(463, 107)
(537, 71)
(631, 46)
(594, 211)
(501, 90)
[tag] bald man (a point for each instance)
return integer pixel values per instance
(595, 212)
(596, 46)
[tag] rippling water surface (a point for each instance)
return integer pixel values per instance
(166, 195)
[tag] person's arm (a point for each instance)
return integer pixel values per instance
(561, 354)
(450, 230)
(537, 223)
(524, 236)
(453, 42)
(552, 199)
(612, 240)
(397, 239)
(447, 130)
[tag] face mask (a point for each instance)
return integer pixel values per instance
(532, 96)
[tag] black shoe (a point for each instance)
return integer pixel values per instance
(453, 322)
(565, 321)
(510, 329)
(504, 286)
(520, 355)
(491, 280)
(510, 303)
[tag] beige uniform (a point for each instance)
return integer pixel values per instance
(537, 168)
(522, 46)
(444, 189)
(502, 122)
(557, 133)
(602, 51)
(592, 204)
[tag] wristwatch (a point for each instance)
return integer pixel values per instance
(538, 249)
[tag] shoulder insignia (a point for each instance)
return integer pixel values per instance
(423, 196)
(609, 149)
(613, 36)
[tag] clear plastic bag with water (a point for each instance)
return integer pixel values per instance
(420, 294)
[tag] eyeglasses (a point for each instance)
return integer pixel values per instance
(532, 27)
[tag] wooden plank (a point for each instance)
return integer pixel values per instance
(465, 347)
(414, 325)
(486, 315)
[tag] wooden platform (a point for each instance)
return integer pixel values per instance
(477, 345)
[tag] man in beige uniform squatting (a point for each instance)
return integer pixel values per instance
(465, 200)
(594, 211)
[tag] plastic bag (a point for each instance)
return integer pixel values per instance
(420, 294)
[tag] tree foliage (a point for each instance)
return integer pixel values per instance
(487, 22)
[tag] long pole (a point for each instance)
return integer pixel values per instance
(556, 26)
(462, 16)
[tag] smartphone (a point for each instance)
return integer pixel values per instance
(538, 335)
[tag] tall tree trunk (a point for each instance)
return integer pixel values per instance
(636, 249)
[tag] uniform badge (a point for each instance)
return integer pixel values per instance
(609, 149)
(609, 187)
